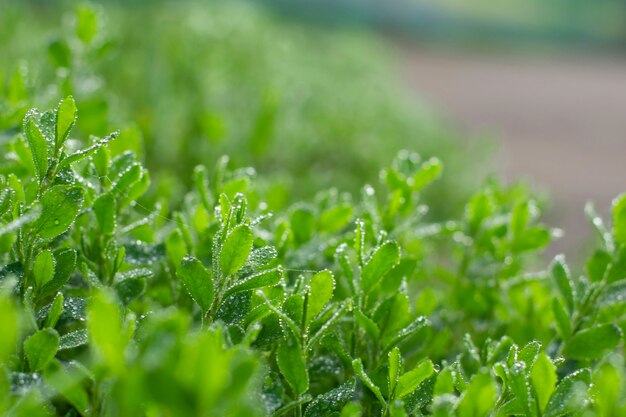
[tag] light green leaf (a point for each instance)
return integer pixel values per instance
(561, 276)
(302, 224)
(543, 378)
(395, 366)
(38, 146)
(66, 118)
(105, 210)
(104, 325)
(563, 321)
(381, 262)
(55, 311)
(292, 365)
(41, 347)
(236, 249)
(429, 172)
(43, 269)
(619, 219)
(336, 218)
(321, 290)
(59, 208)
(592, 343)
(198, 282)
(479, 397)
(409, 381)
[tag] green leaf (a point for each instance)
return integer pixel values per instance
(429, 172)
(130, 288)
(56, 309)
(38, 146)
(367, 324)
(65, 262)
(86, 23)
(236, 249)
(598, 264)
(606, 390)
(302, 224)
(395, 366)
(66, 118)
(570, 395)
(619, 219)
(357, 364)
(43, 269)
(104, 325)
(198, 282)
(331, 402)
(292, 365)
(261, 279)
(543, 378)
(175, 247)
(411, 380)
(592, 343)
(520, 387)
(41, 347)
(563, 321)
(105, 209)
(613, 294)
(59, 208)
(336, 218)
(321, 290)
(561, 276)
(84, 153)
(381, 262)
(479, 397)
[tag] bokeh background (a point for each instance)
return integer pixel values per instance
(321, 93)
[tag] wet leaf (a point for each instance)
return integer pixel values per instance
(236, 249)
(60, 206)
(198, 282)
(41, 347)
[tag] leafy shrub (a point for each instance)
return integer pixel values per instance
(333, 306)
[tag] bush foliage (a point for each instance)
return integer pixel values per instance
(119, 299)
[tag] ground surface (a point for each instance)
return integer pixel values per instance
(560, 121)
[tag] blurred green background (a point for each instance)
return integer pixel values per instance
(307, 92)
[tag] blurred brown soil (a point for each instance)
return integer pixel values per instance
(560, 122)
